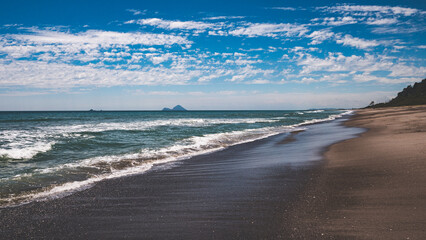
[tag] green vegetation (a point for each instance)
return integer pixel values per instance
(411, 95)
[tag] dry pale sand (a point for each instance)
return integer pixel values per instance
(373, 186)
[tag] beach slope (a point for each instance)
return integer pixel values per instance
(373, 186)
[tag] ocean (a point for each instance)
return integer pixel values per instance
(46, 155)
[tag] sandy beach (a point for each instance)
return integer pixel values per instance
(373, 186)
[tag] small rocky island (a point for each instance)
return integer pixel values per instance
(177, 108)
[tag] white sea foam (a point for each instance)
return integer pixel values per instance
(331, 117)
(25, 144)
(315, 111)
(26, 152)
(22, 144)
(71, 187)
(143, 125)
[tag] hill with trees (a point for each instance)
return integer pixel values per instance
(411, 95)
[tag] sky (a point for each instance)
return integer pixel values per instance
(208, 55)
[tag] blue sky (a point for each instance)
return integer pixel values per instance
(145, 55)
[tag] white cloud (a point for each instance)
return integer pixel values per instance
(407, 71)
(97, 37)
(171, 25)
(252, 49)
(308, 80)
(320, 36)
(242, 61)
(218, 33)
(285, 8)
(370, 15)
(337, 62)
(398, 29)
(298, 49)
(332, 77)
(370, 9)
(137, 12)
(93, 46)
(349, 40)
(163, 93)
(382, 21)
(270, 30)
(365, 77)
(339, 68)
(223, 17)
(159, 58)
(336, 21)
(57, 75)
(259, 81)
(12, 25)
(25, 93)
(89, 42)
(183, 68)
(248, 72)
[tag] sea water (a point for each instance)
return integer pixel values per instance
(46, 155)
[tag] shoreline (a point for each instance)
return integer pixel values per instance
(372, 186)
(69, 188)
(243, 192)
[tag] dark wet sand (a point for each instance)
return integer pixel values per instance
(291, 137)
(248, 191)
(371, 187)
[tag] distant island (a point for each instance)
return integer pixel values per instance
(177, 108)
(411, 95)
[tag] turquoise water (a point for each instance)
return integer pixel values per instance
(52, 154)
